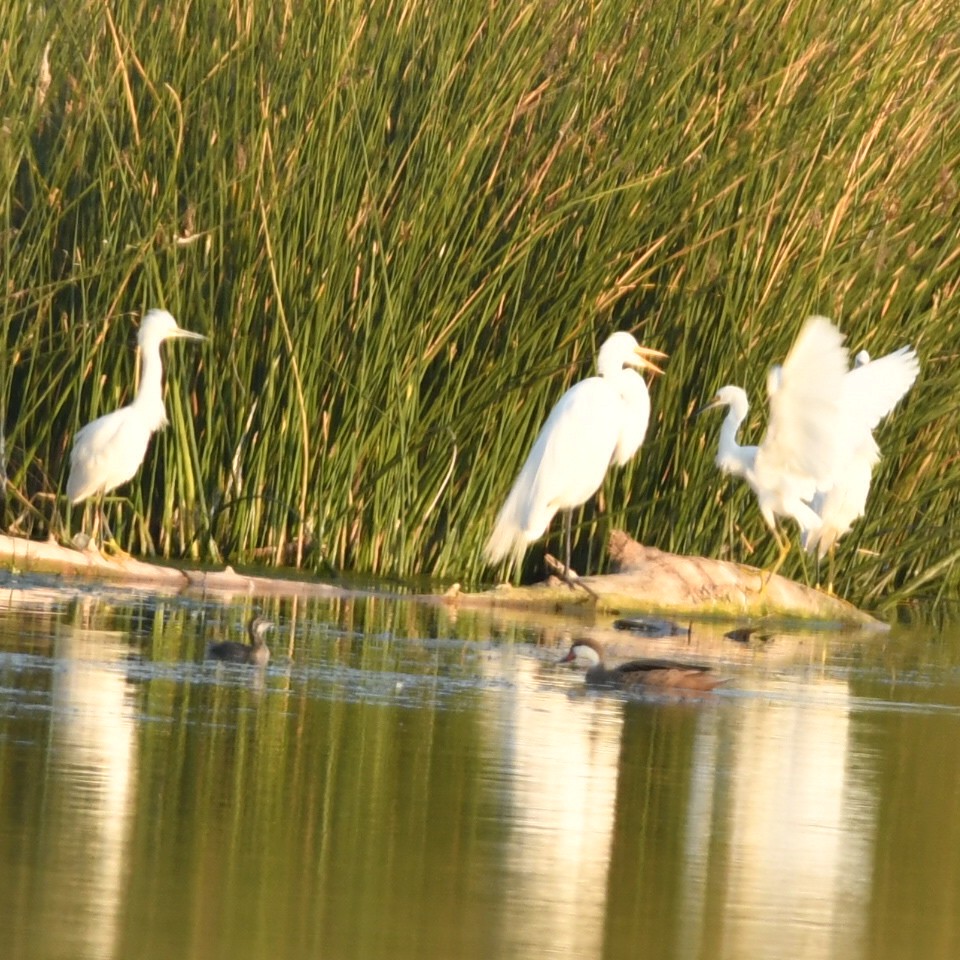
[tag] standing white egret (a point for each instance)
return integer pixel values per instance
(598, 421)
(109, 451)
(870, 391)
(801, 447)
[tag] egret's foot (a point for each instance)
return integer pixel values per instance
(575, 581)
(110, 548)
(568, 575)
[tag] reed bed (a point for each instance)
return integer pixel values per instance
(406, 226)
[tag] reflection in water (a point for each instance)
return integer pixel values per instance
(89, 794)
(561, 781)
(800, 833)
(390, 788)
(751, 828)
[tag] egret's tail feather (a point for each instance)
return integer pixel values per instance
(507, 540)
(509, 537)
(514, 529)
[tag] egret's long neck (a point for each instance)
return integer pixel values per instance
(731, 457)
(149, 399)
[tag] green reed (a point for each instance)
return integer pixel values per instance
(407, 226)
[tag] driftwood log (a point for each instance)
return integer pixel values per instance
(647, 580)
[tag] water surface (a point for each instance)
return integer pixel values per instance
(406, 781)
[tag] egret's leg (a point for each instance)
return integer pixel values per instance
(109, 543)
(99, 522)
(830, 570)
(109, 539)
(568, 576)
(783, 543)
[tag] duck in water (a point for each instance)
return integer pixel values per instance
(255, 652)
(635, 674)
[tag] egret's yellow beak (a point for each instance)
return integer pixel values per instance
(181, 334)
(643, 361)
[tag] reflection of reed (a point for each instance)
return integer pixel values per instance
(92, 780)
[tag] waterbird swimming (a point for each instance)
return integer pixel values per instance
(255, 652)
(667, 674)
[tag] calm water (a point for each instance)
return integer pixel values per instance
(406, 782)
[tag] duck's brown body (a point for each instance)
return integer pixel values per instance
(255, 652)
(668, 674)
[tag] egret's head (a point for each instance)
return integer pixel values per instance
(159, 325)
(733, 397)
(621, 350)
(861, 359)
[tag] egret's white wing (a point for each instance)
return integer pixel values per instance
(871, 391)
(802, 442)
(106, 453)
(564, 468)
(636, 415)
(574, 449)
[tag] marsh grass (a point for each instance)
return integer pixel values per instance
(407, 226)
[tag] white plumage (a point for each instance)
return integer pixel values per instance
(870, 391)
(599, 421)
(109, 451)
(800, 448)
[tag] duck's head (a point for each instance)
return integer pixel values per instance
(259, 628)
(584, 651)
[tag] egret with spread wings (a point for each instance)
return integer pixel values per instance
(870, 391)
(801, 448)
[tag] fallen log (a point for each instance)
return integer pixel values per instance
(646, 581)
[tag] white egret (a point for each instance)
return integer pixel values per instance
(870, 391)
(598, 421)
(109, 451)
(800, 449)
